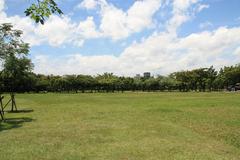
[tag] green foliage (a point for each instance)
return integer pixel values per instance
(107, 81)
(41, 10)
(197, 79)
(13, 56)
(16, 73)
(11, 42)
(230, 75)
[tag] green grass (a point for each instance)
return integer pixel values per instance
(123, 126)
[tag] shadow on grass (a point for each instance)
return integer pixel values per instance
(11, 123)
(21, 111)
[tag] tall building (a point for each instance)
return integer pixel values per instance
(146, 74)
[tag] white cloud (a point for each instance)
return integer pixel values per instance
(180, 14)
(88, 4)
(115, 23)
(24, 24)
(75, 64)
(118, 24)
(160, 53)
(57, 31)
(182, 5)
(88, 28)
(60, 30)
(2, 3)
(205, 25)
(141, 13)
(202, 7)
(237, 52)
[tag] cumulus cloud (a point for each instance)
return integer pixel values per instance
(1, 5)
(61, 30)
(202, 7)
(57, 31)
(75, 64)
(181, 14)
(237, 52)
(119, 24)
(160, 53)
(88, 4)
(87, 28)
(205, 25)
(115, 23)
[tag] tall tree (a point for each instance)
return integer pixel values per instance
(13, 56)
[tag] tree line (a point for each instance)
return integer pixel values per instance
(202, 79)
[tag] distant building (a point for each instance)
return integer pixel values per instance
(146, 74)
(138, 76)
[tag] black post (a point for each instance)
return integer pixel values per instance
(1, 109)
(13, 102)
(1, 104)
(1, 113)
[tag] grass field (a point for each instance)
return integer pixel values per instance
(123, 126)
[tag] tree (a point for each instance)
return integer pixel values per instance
(13, 56)
(107, 81)
(228, 76)
(73, 82)
(137, 84)
(211, 76)
(152, 84)
(42, 83)
(42, 9)
(15, 73)
(11, 42)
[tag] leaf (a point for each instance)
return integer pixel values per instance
(42, 10)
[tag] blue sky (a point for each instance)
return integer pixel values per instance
(130, 37)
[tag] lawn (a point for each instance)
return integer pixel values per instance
(123, 126)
